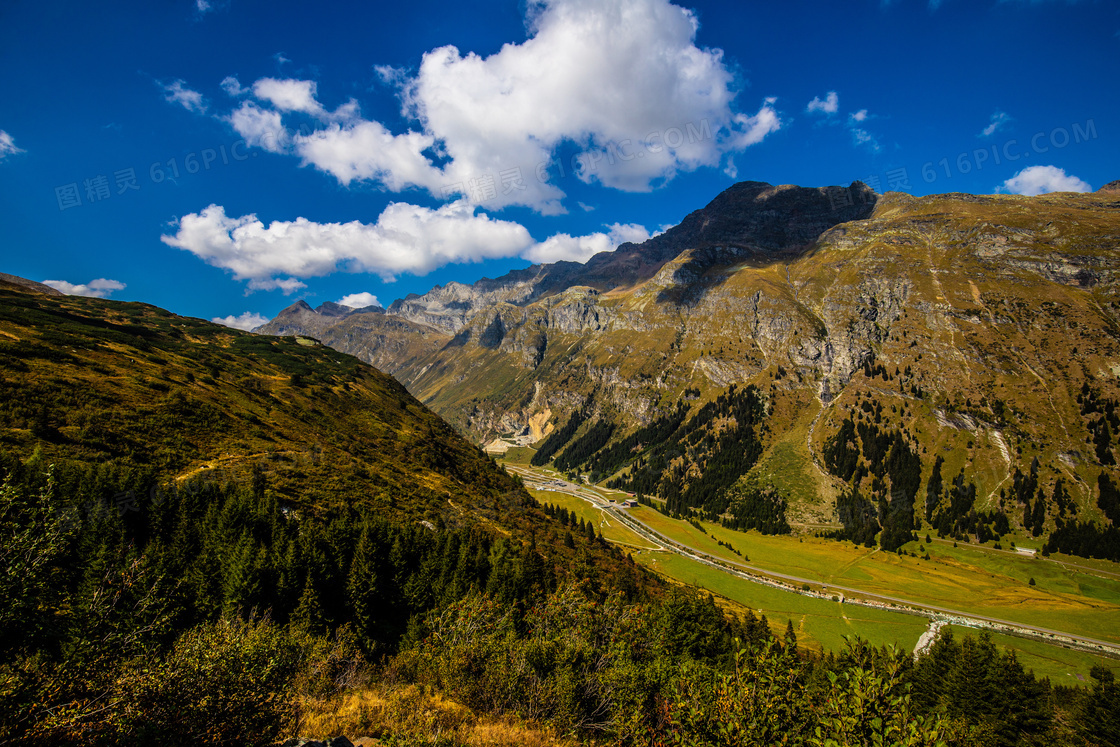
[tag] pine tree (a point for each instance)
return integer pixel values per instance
(242, 576)
(308, 615)
(970, 689)
(362, 589)
(1098, 713)
(1038, 516)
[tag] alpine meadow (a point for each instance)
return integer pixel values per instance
(751, 378)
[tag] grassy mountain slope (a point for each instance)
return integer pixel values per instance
(97, 381)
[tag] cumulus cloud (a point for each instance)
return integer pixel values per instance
(99, 288)
(621, 79)
(289, 95)
(8, 146)
(1040, 180)
(368, 151)
(830, 104)
(405, 239)
(582, 248)
(359, 300)
(261, 128)
(176, 92)
(999, 119)
(246, 322)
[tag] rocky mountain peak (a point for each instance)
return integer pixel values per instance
(750, 215)
(23, 285)
(329, 308)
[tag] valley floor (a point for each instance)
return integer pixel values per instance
(1060, 626)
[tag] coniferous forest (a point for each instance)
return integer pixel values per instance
(202, 611)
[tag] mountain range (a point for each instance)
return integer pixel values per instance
(955, 354)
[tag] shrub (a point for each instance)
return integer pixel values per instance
(225, 682)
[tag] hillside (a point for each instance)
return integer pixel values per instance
(129, 386)
(974, 333)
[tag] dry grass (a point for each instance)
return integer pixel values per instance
(415, 715)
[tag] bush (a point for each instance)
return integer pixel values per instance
(226, 682)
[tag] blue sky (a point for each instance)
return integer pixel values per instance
(226, 157)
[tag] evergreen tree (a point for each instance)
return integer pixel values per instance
(308, 615)
(970, 689)
(362, 590)
(1038, 516)
(1098, 713)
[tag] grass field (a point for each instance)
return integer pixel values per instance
(518, 455)
(819, 623)
(1081, 598)
(966, 578)
(612, 529)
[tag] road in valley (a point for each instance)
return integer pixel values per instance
(756, 574)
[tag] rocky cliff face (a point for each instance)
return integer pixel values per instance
(975, 321)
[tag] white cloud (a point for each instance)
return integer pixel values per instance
(367, 151)
(731, 169)
(289, 95)
(232, 86)
(752, 130)
(260, 127)
(582, 248)
(359, 300)
(999, 119)
(176, 92)
(622, 79)
(8, 146)
(99, 288)
(391, 76)
(860, 135)
(202, 5)
(1040, 180)
(405, 239)
(829, 105)
(246, 322)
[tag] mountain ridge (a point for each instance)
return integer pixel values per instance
(787, 217)
(976, 328)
